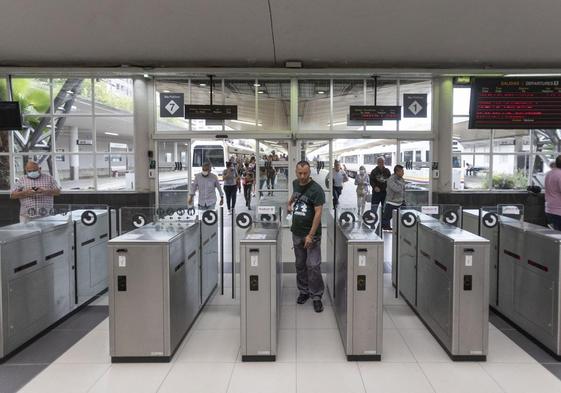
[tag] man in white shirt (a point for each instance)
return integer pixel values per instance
(206, 183)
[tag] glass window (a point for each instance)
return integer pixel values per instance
(36, 135)
(470, 171)
(115, 172)
(200, 95)
(314, 104)
(273, 104)
(73, 134)
(465, 140)
(416, 87)
(386, 95)
(75, 171)
(461, 97)
(510, 171)
(114, 133)
(72, 96)
(3, 89)
(4, 171)
(34, 94)
(208, 153)
(511, 141)
(345, 94)
(45, 163)
(114, 97)
(242, 93)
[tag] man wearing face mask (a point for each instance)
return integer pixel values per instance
(206, 182)
(35, 191)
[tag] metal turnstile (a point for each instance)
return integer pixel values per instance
(209, 253)
(154, 292)
(35, 266)
(453, 289)
(261, 285)
(357, 295)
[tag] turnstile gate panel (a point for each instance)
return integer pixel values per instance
(358, 296)
(261, 284)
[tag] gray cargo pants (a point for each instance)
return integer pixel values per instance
(308, 267)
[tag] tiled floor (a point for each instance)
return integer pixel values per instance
(310, 359)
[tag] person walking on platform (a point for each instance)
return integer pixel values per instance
(395, 197)
(339, 177)
(248, 180)
(206, 183)
(378, 180)
(35, 191)
(231, 178)
(306, 206)
(552, 185)
(362, 181)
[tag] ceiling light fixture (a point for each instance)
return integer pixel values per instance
(321, 92)
(530, 75)
(111, 133)
(202, 84)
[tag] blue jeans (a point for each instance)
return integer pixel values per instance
(387, 216)
(377, 198)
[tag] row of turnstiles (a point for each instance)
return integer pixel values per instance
(449, 265)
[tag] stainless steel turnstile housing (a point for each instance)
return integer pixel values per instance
(261, 286)
(358, 292)
(209, 257)
(35, 266)
(453, 288)
(154, 292)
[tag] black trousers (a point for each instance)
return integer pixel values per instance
(247, 194)
(230, 192)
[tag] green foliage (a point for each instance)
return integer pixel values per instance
(104, 95)
(518, 180)
(33, 97)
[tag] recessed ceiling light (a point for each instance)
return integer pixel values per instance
(146, 76)
(261, 92)
(257, 84)
(165, 91)
(202, 84)
(321, 92)
(111, 133)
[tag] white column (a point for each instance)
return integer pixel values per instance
(443, 139)
(143, 130)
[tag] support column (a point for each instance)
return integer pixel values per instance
(143, 130)
(444, 90)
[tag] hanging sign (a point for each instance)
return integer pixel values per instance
(375, 112)
(211, 112)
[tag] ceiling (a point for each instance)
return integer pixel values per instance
(267, 33)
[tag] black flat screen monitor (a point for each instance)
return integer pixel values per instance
(10, 116)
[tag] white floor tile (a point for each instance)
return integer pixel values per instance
(523, 378)
(228, 280)
(137, 378)
(66, 378)
(211, 346)
(394, 348)
(319, 345)
(424, 346)
(263, 377)
(388, 323)
(459, 378)
(394, 378)
(103, 325)
(307, 318)
(286, 345)
(389, 297)
(404, 318)
(289, 296)
(219, 317)
(503, 350)
(288, 317)
(92, 348)
(388, 280)
(329, 378)
(198, 378)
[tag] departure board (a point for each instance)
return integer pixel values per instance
(374, 112)
(515, 103)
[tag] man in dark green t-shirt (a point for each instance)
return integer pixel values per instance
(306, 204)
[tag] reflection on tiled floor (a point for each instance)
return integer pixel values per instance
(310, 359)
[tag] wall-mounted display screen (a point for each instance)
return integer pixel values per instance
(10, 116)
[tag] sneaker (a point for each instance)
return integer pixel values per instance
(302, 298)
(318, 306)
(386, 228)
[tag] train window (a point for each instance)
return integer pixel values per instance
(388, 159)
(350, 159)
(407, 156)
(427, 156)
(370, 159)
(212, 154)
(418, 156)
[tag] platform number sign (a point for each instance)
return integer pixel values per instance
(415, 105)
(172, 105)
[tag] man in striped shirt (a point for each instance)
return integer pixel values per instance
(35, 191)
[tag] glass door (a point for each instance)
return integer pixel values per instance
(272, 172)
(173, 173)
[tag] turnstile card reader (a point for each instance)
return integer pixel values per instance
(358, 292)
(261, 285)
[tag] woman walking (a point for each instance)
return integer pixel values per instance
(231, 179)
(362, 180)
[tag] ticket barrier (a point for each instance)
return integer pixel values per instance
(357, 289)
(443, 276)
(261, 287)
(35, 260)
(157, 276)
